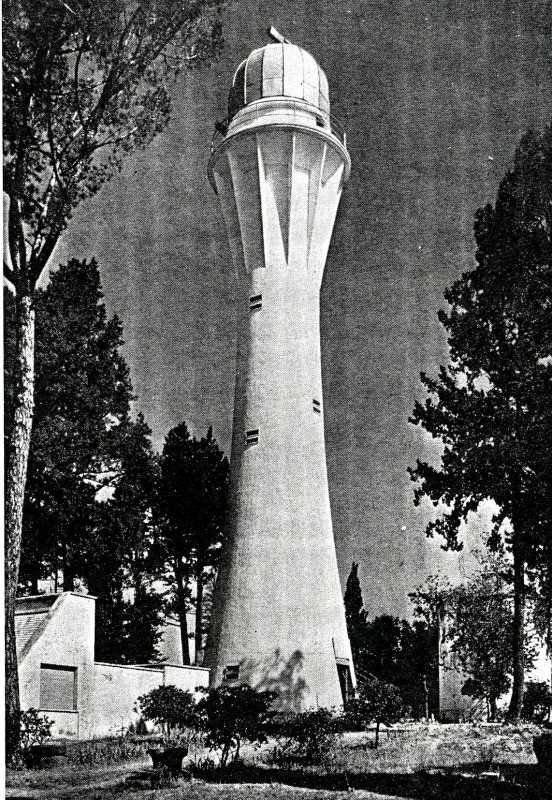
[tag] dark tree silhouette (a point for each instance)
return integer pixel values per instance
(191, 509)
(491, 407)
(84, 443)
(354, 613)
(85, 84)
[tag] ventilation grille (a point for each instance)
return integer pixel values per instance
(252, 437)
(255, 302)
(231, 673)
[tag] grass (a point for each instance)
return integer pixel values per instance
(420, 763)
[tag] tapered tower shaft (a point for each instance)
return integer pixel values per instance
(279, 620)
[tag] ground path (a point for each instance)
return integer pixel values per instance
(112, 783)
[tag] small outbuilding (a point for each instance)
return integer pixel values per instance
(58, 675)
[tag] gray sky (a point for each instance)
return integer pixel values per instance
(434, 96)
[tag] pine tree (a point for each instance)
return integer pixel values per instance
(84, 85)
(84, 444)
(191, 510)
(355, 615)
(491, 407)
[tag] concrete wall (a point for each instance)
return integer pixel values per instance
(170, 645)
(117, 688)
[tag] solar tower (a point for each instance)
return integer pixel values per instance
(278, 165)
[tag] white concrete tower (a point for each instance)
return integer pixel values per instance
(278, 167)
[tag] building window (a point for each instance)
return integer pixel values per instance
(252, 437)
(255, 302)
(316, 406)
(58, 688)
(231, 673)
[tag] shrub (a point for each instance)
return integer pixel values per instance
(106, 751)
(227, 715)
(34, 730)
(537, 701)
(172, 708)
(308, 737)
(377, 702)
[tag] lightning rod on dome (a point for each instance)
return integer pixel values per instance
(277, 36)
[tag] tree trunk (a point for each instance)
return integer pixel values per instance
(426, 696)
(16, 476)
(199, 616)
(181, 610)
(376, 744)
(493, 710)
(68, 574)
(516, 703)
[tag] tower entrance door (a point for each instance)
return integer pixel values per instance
(345, 680)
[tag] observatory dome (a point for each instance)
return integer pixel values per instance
(279, 70)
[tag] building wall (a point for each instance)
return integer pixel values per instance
(117, 688)
(67, 640)
(170, 645)
(105, 695)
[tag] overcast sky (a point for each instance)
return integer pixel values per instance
(434, 96)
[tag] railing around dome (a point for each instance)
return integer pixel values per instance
(325, 121)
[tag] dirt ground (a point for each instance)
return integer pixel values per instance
(456, 762)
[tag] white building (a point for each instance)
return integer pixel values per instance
(59, 677)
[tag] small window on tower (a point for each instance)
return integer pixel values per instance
(316, 406)
(252, 437)
(231, 673)
(255, 302)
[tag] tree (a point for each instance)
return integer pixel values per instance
(378, 702)
(392, 650)
(191, 510)
(537, 702)
(480, 636)
(229, 714)
(121, 566)
(491, 407)
(476, 620)
(355, 615)
(84, 443)
(85, 84)
(81, 421)
(169, 706)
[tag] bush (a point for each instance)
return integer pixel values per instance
(378, 702)
(308, 737)
(170, 707)
(227, 715)
(107, 751)
(34, 730)
(537, 701)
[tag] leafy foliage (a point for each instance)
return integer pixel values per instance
(229, 714)
(85, 84)
(476, 619)
(82, 405)
(537, 701)
(309, 736)
(171, 707)
(355, 615)
(84, 444)
(34, 728)
(491, 407)
(190, 514)
(393, 650)
(378, 702)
